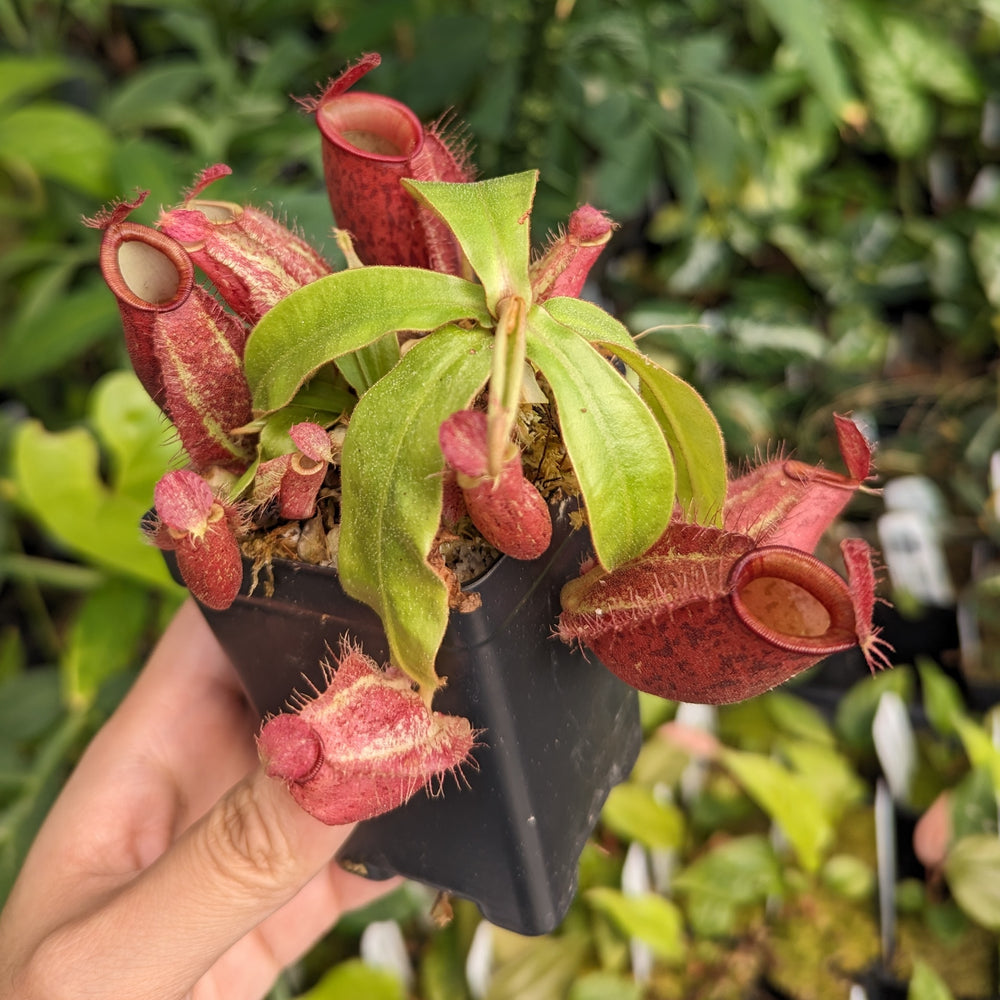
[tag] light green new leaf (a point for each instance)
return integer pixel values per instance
(391, 485)
(490, 219)
(691, 431)
(650, 918)
(619, 454)
(634, 812)
(788, 799)
(972, 870)
(57, 477)
(352, 979)
(140, 441)
(926, 984)
(688, 424)
(344, 312)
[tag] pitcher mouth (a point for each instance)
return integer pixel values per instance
(372, 126)
(146, 269)
(793, 601)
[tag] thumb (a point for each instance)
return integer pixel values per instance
(250, 854)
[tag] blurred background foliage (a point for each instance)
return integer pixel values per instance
(809, 200)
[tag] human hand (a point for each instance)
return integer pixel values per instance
(170, 866)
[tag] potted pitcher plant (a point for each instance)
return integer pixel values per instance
(445, 516)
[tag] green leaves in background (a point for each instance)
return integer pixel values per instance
(57, 478)
(719, 885)
(972, 869)
(789, 799)
(634, 813)
(353, 979)
(650, 918)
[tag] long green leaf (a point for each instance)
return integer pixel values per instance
(788, 799)
(691, 431)
(392, 491)
(619, 454)
(689, 425)
(344, 312)
(650, 918)
(490, 219)
(589, 320)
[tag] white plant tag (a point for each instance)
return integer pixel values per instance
(895, 745)
(912, 551)
(917, 493)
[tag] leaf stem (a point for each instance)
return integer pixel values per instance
(505, 379)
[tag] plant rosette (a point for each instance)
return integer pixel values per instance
(412, 426)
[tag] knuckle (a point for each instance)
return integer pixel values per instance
(246, 842)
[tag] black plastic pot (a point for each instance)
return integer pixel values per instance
(558, 730)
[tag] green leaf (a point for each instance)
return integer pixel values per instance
(38, 341)
(736, 872)
(60, 143)
(619, 454)
(29, 704)
(691, 431)
(391, 486)
(926, 984)
(490, 219)
(140, 441)
(985, 251)
(352, 979)
(788, 799)
(589, 320)
(856, 710)
(942, 698)
(932, 59)
(803, 25)
(979, 747)
(102, 639)
(21, 76)
(634, 813)
(972, 870)
(344, 312)
(539, 968)
(58, 482)
(649, 917)
(605, 986)
(148, 95)
(365, 366)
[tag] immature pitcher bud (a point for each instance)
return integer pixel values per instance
(199, 528)
(508, 510)
(563, 267)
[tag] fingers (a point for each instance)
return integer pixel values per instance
(161, 932)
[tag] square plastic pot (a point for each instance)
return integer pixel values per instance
(558, 729)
